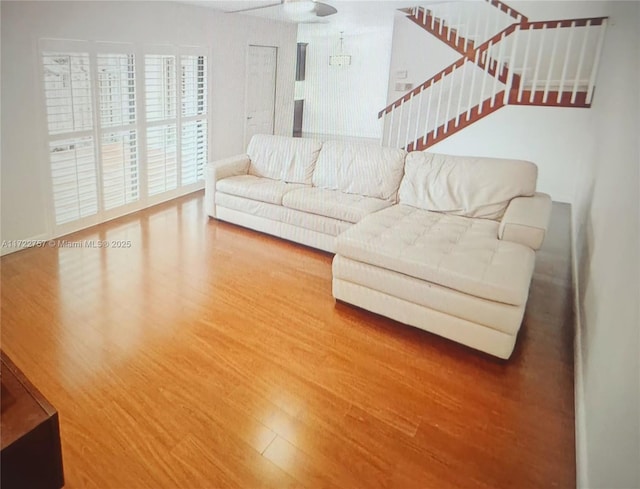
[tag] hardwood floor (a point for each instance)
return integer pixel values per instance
(211, 356)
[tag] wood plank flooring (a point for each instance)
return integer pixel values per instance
(211, 356)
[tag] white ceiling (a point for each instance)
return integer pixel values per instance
(353, 15)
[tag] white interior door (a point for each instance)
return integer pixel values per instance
(260, 90)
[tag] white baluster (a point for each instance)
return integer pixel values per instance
(536, 72)
(421, 95)
(596, 62)
(424, 15)
(393, 113)
(473, 82)
(409, 118)
(458, 25)
(512, 62)
(462, 82)
(400, 123)
(477, 41)
(441, 85)
(565, 65)
(498, 70)
(446, 118)
(426, 120)
(487, 20)
(583, 49)
(433, 20)
(551, 63)
(487, 62)
(525, 64)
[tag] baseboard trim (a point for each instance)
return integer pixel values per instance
(582, 478)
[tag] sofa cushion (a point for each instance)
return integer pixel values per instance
(456, 252)
(496, 315)
(278, 213)
(283, 158)
(333, 203)
(256, 188)
(465, 186)
(361, 169)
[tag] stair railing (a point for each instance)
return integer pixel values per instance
(530, 63)
(557, 61)
(462, 25)
(451, 98)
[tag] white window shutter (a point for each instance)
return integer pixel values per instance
(67, 88)
(73, 178)
(117, 87)
(162, 174)
(194, 85)
(193, 96)
(160, 87)
(120, 183)
(194, 151)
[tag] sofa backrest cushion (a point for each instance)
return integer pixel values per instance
(283, 158)
(362, 169)
(465, 186)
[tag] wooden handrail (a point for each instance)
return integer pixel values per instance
(564, 23)
(508, 10)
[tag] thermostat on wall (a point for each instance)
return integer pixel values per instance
(403, 87)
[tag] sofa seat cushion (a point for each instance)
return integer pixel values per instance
(333, 203)
(456, 252)
(256, 188)
(362, 169)
(278, 213)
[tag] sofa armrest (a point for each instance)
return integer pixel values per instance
(217, 170)
(525, 220)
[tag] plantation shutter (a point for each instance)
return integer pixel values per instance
(161, 105)
(67, 90)
(194, 112)
(118, 135)
(107, 154)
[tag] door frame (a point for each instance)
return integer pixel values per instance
(246, 87)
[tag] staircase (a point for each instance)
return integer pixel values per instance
(544, 63)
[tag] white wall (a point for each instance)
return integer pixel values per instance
(345, 101)
(418, 53)
(24, 169)
(606, 226)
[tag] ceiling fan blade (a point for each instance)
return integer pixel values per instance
(324, 9)
(254, 8)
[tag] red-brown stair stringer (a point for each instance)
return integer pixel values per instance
(447, 36)
(474, 116)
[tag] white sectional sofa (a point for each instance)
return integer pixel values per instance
(443, 243)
